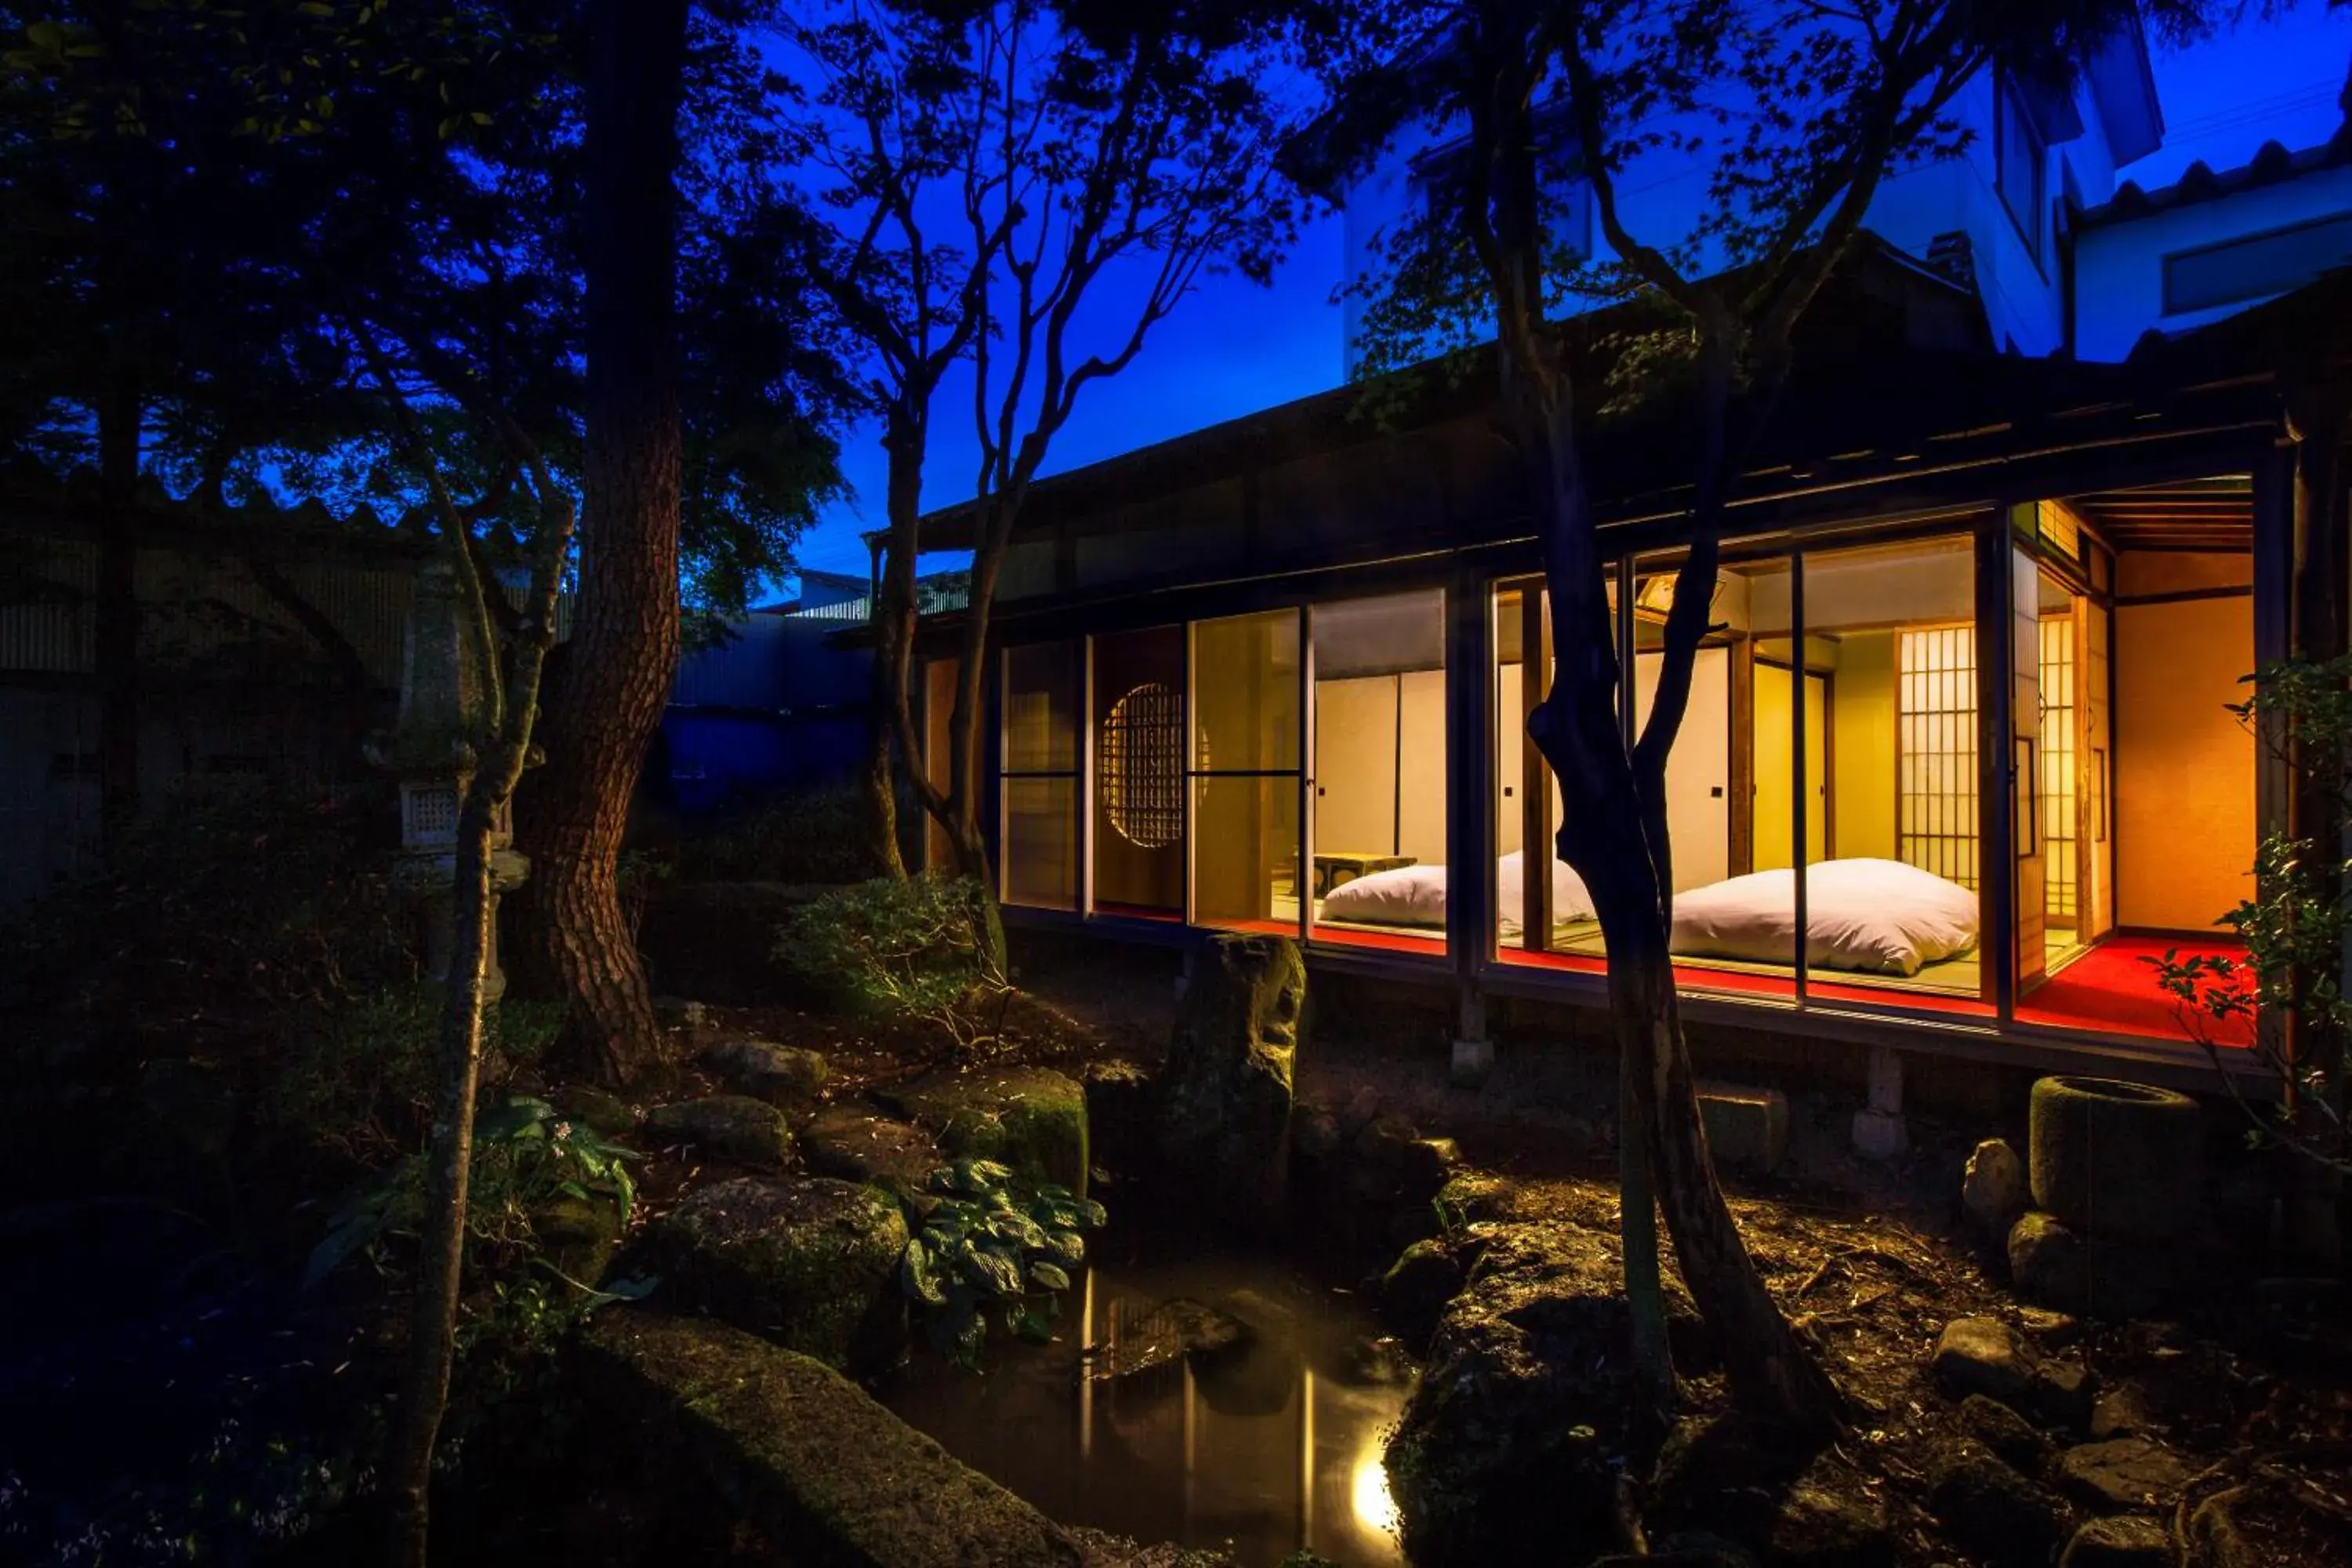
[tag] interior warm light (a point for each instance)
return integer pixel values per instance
(1367, 1493)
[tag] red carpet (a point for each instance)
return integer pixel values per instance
(2112, 988)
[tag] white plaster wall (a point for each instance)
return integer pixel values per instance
(2119, 268)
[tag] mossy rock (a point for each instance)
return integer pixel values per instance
(809, 1262)
(727, 1126)
(856, 1144)
(781, 1075)
(1032, 1119)
(1415, 1289)
(800, 1452)
(1513, 1433)
(599, 1110)
(578, 1236)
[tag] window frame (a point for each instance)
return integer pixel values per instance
(2168, 303)
(2009, 105)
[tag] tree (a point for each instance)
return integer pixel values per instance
(625, 637)
(989, 171)
(491, 757)
(215, 193)
(1798, 111)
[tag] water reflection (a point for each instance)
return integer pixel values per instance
(1270, 1445)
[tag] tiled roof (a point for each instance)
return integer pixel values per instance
(2271, 166)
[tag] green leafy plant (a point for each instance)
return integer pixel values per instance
(362, 1082)
(985, 1245)
(2295, 928)
(526, 1160)
(900, 948)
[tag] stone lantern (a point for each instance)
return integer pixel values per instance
(430, 750)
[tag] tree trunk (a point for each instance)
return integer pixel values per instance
(441, 1250)
(116, 610)
(881, 781)
(1606, 831)
(624, 636)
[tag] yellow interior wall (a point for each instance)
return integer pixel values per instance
(2184, 787)
(1775, 779)
(1862, 773)
(1772, 730)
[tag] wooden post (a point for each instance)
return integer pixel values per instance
(1470, 710)
(1996, 842)
(1535, 777)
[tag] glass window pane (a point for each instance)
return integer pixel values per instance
(1138, 768)
(1246, 715)
(1041, 708)
(1041, 850)
(1246, 875)
(1379, 788)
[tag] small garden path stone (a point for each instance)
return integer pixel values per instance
(728, 1127)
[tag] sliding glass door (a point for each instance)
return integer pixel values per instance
(1248, 720)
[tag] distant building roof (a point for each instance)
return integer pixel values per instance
(2272, 165)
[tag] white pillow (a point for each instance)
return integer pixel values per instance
(1569, 901)
(1407, 896)
(1881, 916)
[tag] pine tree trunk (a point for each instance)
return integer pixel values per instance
(116, 609)
(449, 1156)
(623, 658)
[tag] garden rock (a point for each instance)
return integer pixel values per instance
(2052, 1264)
(599, 1110)
(809, 1262)
(1225, 1093)
(1315, 1134)
(1985, 1355)
(1121, 1099)
(781, 1075)
(580, 1235)
(2116, 1161)
(2121, 1475)
(2127, 1541)
(1175, 1330)
(1031, 1119)
(1993, 1188)
(2010, 1437)
(1415, 1289)
(1994, 1512)
(728, 1127)
(2047, 1262)
(857, 1145)
(1732, 1478)
(810, 1459)
(1262, 1373)
(1508, 1438)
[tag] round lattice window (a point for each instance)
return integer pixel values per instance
(1141, 765)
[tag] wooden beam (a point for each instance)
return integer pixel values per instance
(1470, 754)
(1535, 777)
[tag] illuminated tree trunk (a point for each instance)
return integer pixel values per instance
(623, 657)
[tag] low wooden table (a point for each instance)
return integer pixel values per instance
(1336, 871)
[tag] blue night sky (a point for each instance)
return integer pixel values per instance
(1232, 348)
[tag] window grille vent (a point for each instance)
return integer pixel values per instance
(1142, 766)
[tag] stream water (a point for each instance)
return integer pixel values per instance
(1265, 1447)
